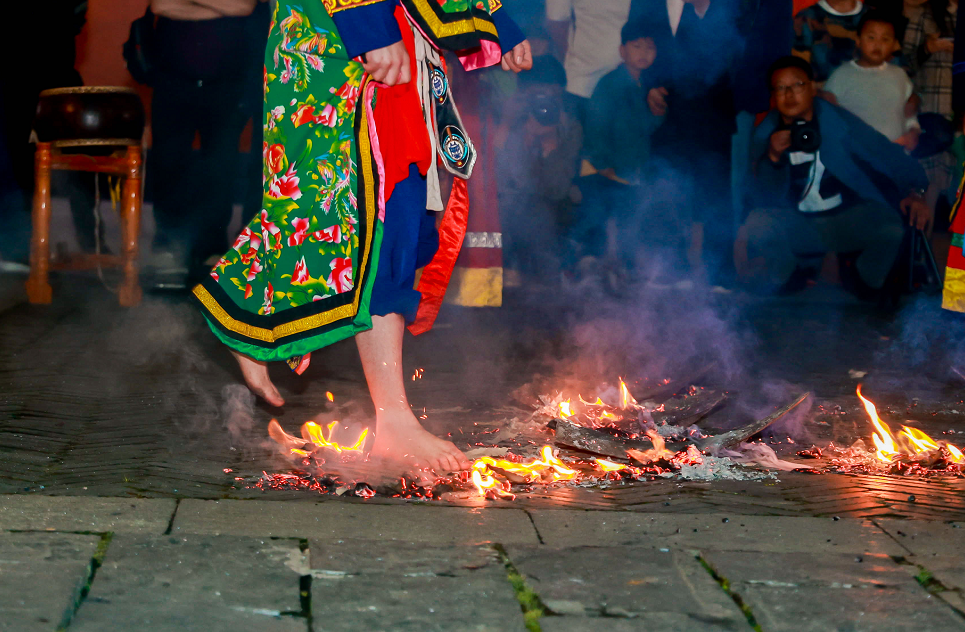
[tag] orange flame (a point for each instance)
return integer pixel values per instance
(329, 396)
(548, 467)
(598, 402)
(909, 442)
(312, 432)
(609, 466)
(626, 399)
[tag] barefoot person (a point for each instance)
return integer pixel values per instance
(349, 183)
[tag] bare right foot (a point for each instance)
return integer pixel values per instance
(255, 373)
(400, 438)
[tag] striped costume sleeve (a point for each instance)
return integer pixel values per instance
(365, 25)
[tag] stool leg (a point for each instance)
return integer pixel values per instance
(38, 285)
(129, 293)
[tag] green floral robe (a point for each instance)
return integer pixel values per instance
(299, 276)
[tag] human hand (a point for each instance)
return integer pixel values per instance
(912, 106)
(918, 212)
(909, 140)
(388, 65)
(520, 58)
(939, 45)
(780, 142)
(657, 100)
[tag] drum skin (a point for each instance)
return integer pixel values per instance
(89, 115)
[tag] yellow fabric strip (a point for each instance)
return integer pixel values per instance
(334, 6)
(476, 287)
(324, 318)
(953, 296)
(459, 27)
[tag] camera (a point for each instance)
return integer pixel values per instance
(545, 109)
(805, 136)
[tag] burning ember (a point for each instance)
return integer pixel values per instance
(607, 438)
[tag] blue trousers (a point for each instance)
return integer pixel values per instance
(409, 241)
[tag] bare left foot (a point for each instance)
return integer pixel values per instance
(400, 437)
(255, 373)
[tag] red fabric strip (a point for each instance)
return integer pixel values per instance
(435, 276)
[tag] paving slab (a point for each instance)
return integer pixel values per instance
(715, 532)
(41, 576)
(627, 581)
(662, 621)
(402, 586)
(936, 547)
(193, 582)
(22, 512)
(805, 592)
(335, 520)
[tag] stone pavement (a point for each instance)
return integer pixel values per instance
(127, 456)
(104, 564)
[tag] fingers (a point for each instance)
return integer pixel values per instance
(509, 63)
(524, 55)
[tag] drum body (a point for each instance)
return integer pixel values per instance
(89, 115)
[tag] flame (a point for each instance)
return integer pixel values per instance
(547, 467)
(956, 454)
(566, 410)
(312, 432)
(598, 402)
(626, 399)
(606, 414)
(330, 397)
(610, 466)
(883, 439)
(659, 450)
(909, 442)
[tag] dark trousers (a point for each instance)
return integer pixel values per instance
(782, 239)
(18, 104)
(647, 225)
(203, 90)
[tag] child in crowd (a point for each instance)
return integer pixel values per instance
(879, 93)
(825, 34)
(616, 149)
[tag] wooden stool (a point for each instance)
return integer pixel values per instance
(88, 117)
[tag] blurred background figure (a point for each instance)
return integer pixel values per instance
(539, 149)
(207, 87)
(49, 65)
(929, 45)
(587, 36)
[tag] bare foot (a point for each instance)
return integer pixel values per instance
(255, 373)
(400, 437)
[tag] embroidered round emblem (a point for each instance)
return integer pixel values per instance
(439, 84)
(454, 145)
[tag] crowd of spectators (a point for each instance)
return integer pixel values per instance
(729, 142)
(675, 143)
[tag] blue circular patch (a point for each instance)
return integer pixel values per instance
(439, 84)
(454, 145)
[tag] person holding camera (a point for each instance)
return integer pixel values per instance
(541, 140)
(825, 181)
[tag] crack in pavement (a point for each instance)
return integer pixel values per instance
(724, 584)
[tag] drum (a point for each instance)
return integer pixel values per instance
(89, 115)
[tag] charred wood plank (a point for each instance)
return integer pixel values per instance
(737, 435)
(689, 409)
(589, 440)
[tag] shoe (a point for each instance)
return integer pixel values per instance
(166, 263)
(14, 267)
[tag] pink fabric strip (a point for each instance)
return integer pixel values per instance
(374, 140)
(488, 55)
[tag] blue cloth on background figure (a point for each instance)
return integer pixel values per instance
(409, 240)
